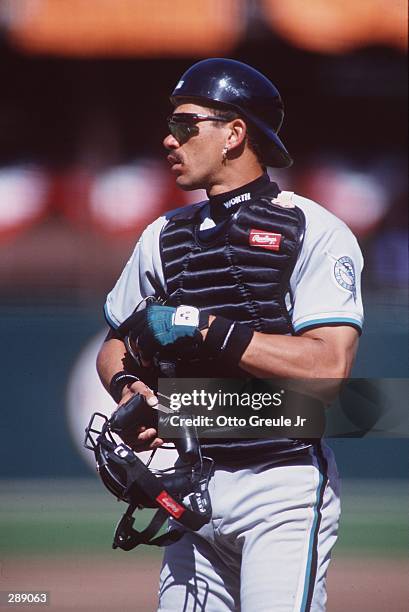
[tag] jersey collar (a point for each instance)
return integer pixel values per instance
(225, 204)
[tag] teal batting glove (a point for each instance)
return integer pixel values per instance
(175, 331)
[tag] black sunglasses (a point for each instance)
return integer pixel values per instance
(183, 125)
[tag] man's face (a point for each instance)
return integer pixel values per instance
(197, 160)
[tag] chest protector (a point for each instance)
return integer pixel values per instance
(243, 271)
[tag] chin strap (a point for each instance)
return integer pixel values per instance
(193, 512)
(191, 509)
(127, 538)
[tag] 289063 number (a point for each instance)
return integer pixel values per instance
(31, 597)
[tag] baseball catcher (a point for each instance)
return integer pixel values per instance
(252, 283)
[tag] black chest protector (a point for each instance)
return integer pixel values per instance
(242, 271)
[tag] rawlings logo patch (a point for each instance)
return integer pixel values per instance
(265, 240)
(167, 502)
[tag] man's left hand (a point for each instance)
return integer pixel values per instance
(171, 332)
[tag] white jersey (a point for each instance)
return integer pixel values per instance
(325, 284)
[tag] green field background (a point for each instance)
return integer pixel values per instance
(57, 520)
(53, 517)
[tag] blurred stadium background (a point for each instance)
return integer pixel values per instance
(83, 102)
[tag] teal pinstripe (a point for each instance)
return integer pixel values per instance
(327, 320)
(313, 534)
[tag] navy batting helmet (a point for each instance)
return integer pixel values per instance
(239, 87)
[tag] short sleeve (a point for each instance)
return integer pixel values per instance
(326, 282)
(141, 277)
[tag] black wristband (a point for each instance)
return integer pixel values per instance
(216, 336)
(236, 342)
(227, 340)
(203, 320)
(118, 382)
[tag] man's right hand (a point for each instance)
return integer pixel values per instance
(140, 438)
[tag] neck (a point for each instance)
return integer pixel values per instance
(234, 178)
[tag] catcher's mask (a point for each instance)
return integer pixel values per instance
(180, 492)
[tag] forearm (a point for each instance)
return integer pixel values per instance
(110, 359)
(113, 358)
(311, 356)
(325, 352)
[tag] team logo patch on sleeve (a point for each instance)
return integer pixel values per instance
(265, 240)
(344, 273)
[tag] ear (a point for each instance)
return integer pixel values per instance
(237, 134)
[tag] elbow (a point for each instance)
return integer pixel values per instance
(99, 361)
(328, 380)
(338, 371)
(105, 354)
(333, 357)
(332, 364)
(339, 368)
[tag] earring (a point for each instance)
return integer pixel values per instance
(224, 153)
